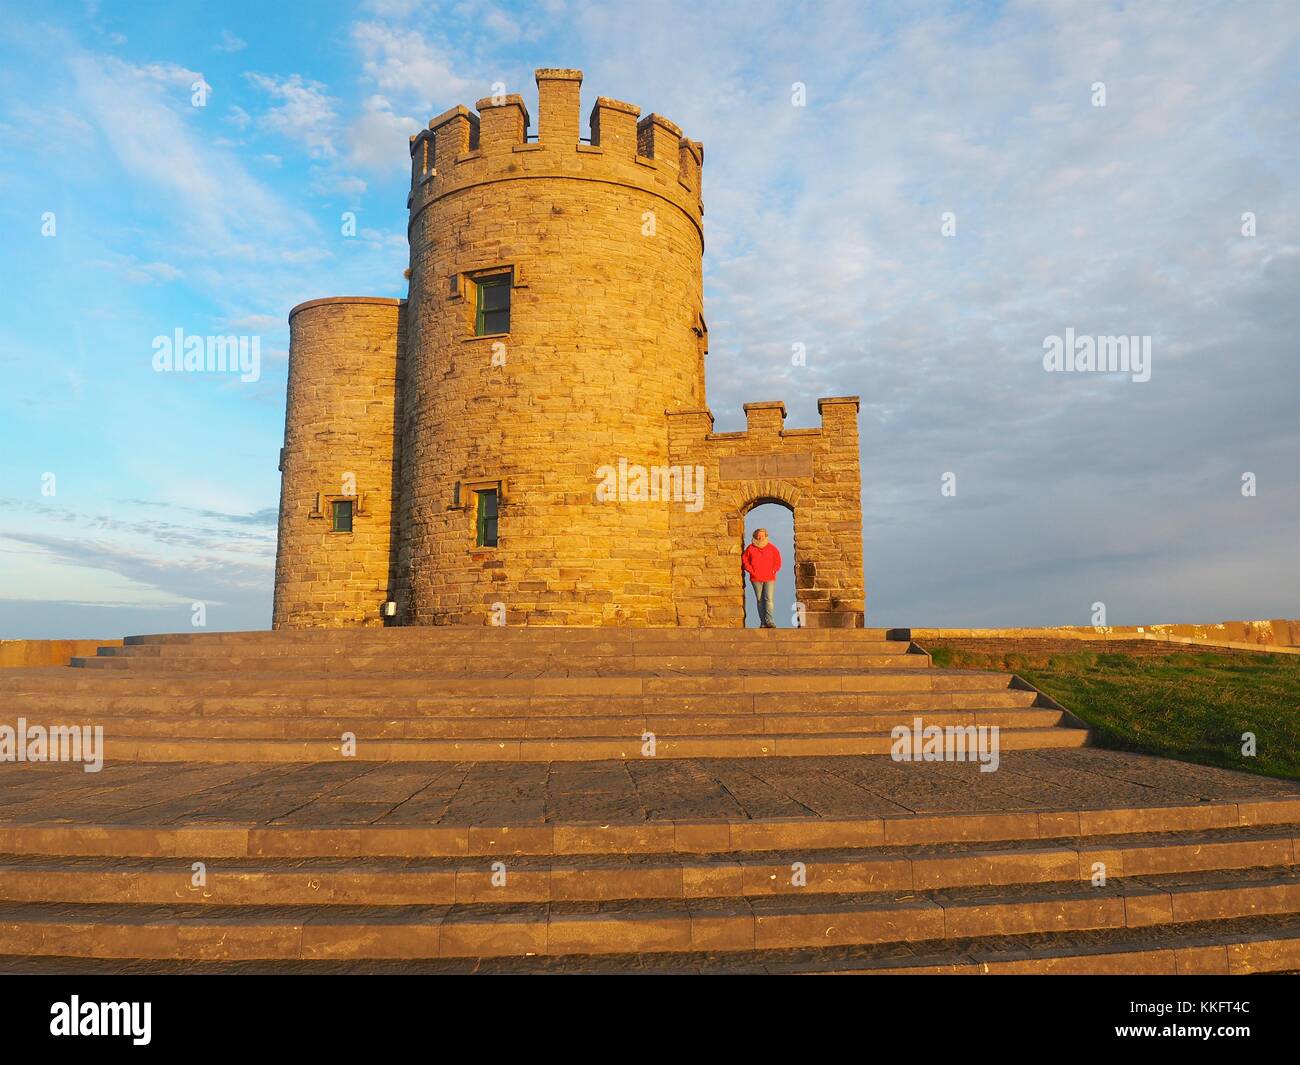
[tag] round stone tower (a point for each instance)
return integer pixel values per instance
(333, 566)
(554, 317)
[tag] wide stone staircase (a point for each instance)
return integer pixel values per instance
(522, 695)
(501, 813)
(1199, 889)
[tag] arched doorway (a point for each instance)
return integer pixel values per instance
(777, 517)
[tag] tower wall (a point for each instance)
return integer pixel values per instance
(344, 362)
(605, 244)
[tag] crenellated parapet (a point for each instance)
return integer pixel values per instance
(765, 426)
(462, 148)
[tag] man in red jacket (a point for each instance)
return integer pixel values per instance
(762, 561)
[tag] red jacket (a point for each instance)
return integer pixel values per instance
(761, 563)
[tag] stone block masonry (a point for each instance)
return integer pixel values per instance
(813, 472)
(599, 366)
(344, 359)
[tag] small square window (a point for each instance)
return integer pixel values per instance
(341, 514)
(486, 518)
(493, 304)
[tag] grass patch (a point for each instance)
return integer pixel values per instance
(1191, 706)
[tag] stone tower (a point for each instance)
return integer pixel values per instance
(338, 448)
(525, 439)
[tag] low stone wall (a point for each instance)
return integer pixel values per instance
(1227, 637)
(17, 654)
(1278, 632)
(1047, 646)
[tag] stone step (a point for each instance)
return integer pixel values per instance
(63, 680)
(380, 882)
(1236, 947)
(490, 654)
(98, 702)
(651, 926)
(547, 636)
(371, 727)
(570, 749)
(420, 840)
(456, 664)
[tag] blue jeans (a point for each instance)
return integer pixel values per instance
(765, 594)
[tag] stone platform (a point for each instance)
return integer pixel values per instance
(650, 865)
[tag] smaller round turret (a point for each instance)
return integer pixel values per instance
(333, 562)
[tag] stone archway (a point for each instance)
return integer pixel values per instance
(746, 495)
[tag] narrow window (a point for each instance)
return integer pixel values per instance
(341, 512)
(493, 305)
(487, 518)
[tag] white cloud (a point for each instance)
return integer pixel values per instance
(378, 139)
(143, 114)
(405, 64)
(230, 43)
(140, 273)
(332, 183)
(256, 323)
(305, 114)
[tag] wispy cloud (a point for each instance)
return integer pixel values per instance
(304, 114)
(406, 65)
(144, 114)
(230, 43)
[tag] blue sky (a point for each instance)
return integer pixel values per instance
(823, 228)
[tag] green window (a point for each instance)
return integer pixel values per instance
(341, 513)
(493, 308)
(487, 518)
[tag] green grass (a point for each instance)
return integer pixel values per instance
(1192, 706)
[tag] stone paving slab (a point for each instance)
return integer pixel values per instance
(469, 793)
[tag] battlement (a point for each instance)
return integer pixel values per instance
(766, 421)
(461, 148)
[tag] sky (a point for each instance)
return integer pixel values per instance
(918, 194)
